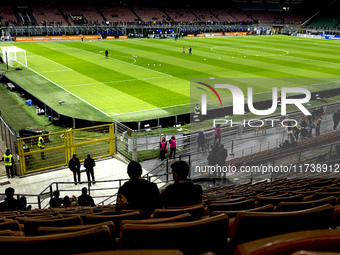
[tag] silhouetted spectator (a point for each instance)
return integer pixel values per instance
(223, 153)
(84, 199)
(56, 201)
(70, 202)
(12, 204)
(137, 193)
(214, 157)
(183, 191)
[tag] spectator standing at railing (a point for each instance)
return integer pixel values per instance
(217, 134)
(163, 146)
(172, 142)
(336, 119)
(318, 122)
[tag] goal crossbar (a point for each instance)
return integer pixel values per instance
(14, 54)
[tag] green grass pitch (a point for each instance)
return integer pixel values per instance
(149, 78)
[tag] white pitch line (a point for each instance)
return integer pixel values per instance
(68, 91)
(56, 71)
(108, 82)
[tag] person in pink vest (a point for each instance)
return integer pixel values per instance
(217, 134)
(163, 148)
(172, 143)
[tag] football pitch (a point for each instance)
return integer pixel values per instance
(150, 78)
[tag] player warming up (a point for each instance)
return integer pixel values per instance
(183, 50)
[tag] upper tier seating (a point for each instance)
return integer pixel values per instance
(49, 14)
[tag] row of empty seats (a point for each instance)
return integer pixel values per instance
(61, 15)
(232, 219)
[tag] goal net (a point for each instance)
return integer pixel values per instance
(14, 56)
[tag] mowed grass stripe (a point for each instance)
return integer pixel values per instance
(101, 70)
(212, 65)
(221, 64)
(297, 62)
(311, 49)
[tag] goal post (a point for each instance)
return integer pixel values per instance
(14, 57)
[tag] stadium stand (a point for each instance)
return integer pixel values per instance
(48, 15)
(82, 15)
(119, 15)
(223, 15)
(181, 15)
(7, 16)
(150, 15)
(205, 16)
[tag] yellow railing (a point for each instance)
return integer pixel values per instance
(60, 146)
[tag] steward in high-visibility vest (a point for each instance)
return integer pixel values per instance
(197, 110)
(8, 159)
(41, 144)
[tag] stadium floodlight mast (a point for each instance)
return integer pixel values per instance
(13, 56)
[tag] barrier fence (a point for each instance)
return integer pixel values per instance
(60, 146)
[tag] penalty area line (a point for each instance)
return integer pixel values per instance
(68, 92)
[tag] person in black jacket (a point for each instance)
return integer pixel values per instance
(336, 119)
(137, 193)
(183, 191)
(74, 166)
(89, 164)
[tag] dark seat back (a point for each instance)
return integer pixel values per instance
(261, 201)
(250, 226)
(318, 240)
(94, 239)
(296, 206)
(196, 212)
(242, 205)
(186, 236)
(31, 225)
